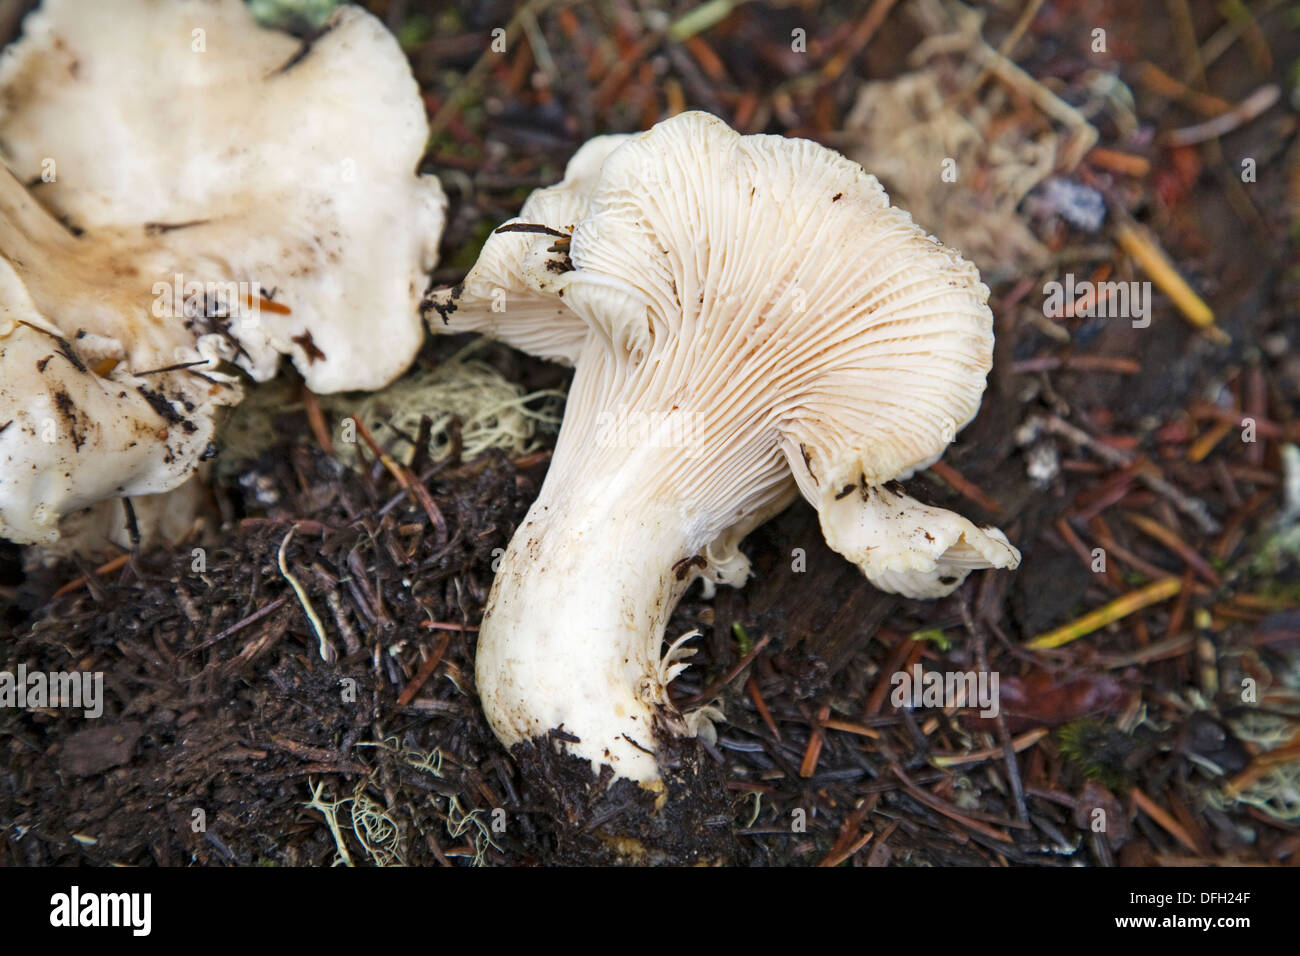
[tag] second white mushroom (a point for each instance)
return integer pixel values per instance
(190, 189)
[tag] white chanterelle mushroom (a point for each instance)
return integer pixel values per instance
(749, 318)
(184, 186)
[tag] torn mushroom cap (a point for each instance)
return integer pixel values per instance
(184, 144)
(765, 286)
(81, 417)
(249, 157)
(186, 513)
(503, 296)
(907, 547)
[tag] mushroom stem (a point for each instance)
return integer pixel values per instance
(626, 520)
(570, 640)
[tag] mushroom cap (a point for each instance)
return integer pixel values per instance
(501, 297)
(77, 424)
(168, 144)
(251, 157)
(909, 548)
(767, 285)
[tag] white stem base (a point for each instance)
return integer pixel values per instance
(571, 637)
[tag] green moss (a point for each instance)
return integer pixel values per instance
(297, 15)
(1098, 752)
(934, 636)
(742, 638)
(416, 30)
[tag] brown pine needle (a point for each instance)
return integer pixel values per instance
(815, 741)
(851, 728)
(714, 689)
(107, 567)
(394, 469)
(1018, 744)
(1174, 543)
(709, 61)
(1119, 608)
(845, 846)
(835, 858)
(261, 302)
(949, 811)
(425, 672)
(860, 37)
(316, 418)
(1261, 765)
(1112, 160)
(1171, 88)
(756, 696)
(239, 625)
(1161, 650)
(410, 484)
(1160, 816)
(965, 488)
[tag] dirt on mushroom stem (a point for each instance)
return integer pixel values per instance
(605, 821)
